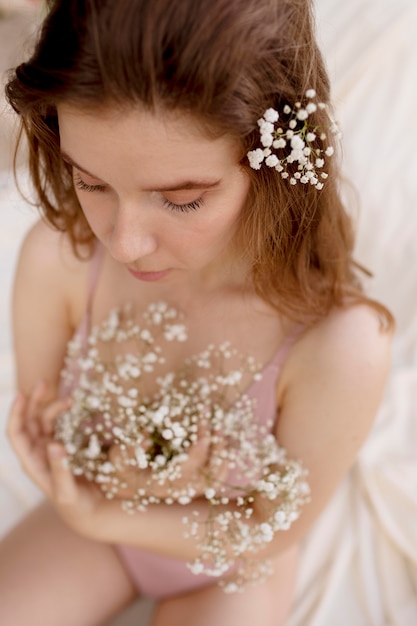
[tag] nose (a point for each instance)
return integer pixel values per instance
(132, 235)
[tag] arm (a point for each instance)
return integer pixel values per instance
(43, 320)
(43, 315)
(329, 394)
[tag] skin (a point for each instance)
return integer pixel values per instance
(328, 391)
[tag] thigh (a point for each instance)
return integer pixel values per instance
(267, 604)
(49, 575)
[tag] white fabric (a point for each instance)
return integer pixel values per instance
(359, 563)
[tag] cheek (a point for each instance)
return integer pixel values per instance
(210, 234)
(94, 210)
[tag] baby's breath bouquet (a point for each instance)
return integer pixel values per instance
(115, 407)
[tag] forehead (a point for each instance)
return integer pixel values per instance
(164, 137)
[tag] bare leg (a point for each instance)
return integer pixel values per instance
(49, 575)
(267, 604)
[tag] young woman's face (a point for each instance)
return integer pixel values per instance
(161, 196)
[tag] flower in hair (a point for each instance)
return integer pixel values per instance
(296, 148)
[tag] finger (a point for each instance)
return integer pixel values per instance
(52, 412)
(64, 486)
(30, 457)
(197, 454)
(17, 409)
(35, 401)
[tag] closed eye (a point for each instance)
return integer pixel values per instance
(184, 208)
(80, 184)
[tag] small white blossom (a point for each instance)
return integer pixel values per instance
(266, 128)
(302, 114)
(267, 139)
(272, 160)
(279, 143)
(311, 108)
(271, 115)
(255, 158)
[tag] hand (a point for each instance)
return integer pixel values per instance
(30, 431)
(196, 472)
(132, 479)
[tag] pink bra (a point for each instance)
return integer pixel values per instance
(263, 391)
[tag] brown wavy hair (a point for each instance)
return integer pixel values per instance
(224, 62)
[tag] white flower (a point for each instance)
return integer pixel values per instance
(297, 143)
(287, 109)
(210, 493)
(196, 568)
(319, 163)
(311, 108)
(167, 434)
(94, 448)
(255, 158)
(271, 115)
(141, 458)
(267, 139)
(310, 137)
(319, 186)
(93, 402)
(272, 161)
(175, 331)
(267, 532)
(292, 124)
(302, 114)
(279, 143)
(311, 93)
(329, 151)
(266, 128)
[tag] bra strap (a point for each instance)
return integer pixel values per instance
(93, 276)
(286, 345)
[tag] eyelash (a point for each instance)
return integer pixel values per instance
(184, 208)
(80, 184)
(178, 208)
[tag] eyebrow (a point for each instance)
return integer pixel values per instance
(180, 186)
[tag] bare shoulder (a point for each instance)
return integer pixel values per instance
(329, 393)
(349, 344)
(45, 247)
(49, 289)
(332, 386)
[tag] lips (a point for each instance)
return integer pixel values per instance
(149, 276)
